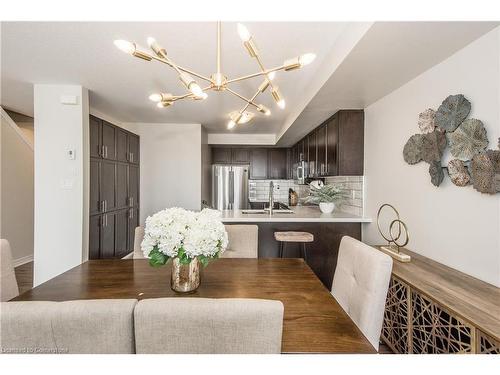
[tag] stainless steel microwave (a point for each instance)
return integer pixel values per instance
(300, 172)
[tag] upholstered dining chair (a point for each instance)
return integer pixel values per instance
(138, 237)
(243, 241)
(102, 326)
(210, 326)
(360, 285)
(8, 288)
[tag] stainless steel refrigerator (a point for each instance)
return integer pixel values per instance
(230, 187)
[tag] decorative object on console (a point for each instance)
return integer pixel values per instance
(218, 81)
(393, 246)
(325, 196)
(468, 142)
(451, 113)
(186, 237)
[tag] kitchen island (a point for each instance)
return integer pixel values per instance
(328, 230)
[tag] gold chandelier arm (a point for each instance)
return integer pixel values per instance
(177, 67)
(258, 74)
(188, 95)
(263, 69)
(249, 101)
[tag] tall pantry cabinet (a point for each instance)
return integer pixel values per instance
(114, 190)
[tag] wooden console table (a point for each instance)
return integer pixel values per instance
(432, 308)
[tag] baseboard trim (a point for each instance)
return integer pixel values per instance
(20, 261)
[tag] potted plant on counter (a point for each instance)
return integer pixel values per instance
(326, 196)
(188, 238)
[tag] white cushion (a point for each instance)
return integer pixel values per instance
(360, 285)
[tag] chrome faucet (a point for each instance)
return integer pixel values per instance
(271, 197)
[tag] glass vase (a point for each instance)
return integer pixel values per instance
(185, 277)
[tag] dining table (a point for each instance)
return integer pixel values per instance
(313, 321)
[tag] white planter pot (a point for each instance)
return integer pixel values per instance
(327, 208)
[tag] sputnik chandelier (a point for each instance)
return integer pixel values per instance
(218, 81)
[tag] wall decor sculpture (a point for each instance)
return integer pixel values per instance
(473, 163)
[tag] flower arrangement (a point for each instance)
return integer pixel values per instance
(185, 235)
(325, 194)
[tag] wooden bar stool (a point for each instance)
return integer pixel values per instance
(301, 237)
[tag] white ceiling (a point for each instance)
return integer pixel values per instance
(387, 56)
(83, 53)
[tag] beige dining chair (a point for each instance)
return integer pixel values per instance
(78, 327)
(9, 288)
(243, 241)
(360, 285)
(138, 237)
(210, 326)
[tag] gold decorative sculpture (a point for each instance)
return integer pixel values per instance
(394, 240)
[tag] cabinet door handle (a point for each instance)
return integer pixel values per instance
(131, 214)
(103, 152)
(132, 157)
(106, 208)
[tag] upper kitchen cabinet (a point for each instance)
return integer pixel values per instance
(122, 145)
(277, 159)
(321, 151)
(108, 141)
(350, 151)
(332, 141)
(133, 148)
(95, 126)
(221, 155)
(258, 164)
(240, 155)
(312, 153)
(336, 147)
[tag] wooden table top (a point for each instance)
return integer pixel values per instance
(313, 322)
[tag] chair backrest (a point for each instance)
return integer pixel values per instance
(138, 237)
(81, 327)
(204, 325)
(243, 241)
(360, 285)
(8, 282)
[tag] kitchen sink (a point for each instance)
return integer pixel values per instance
(266, 212)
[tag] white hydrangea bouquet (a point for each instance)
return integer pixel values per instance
(178, 233)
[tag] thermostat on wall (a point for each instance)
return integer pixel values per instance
(69, 99)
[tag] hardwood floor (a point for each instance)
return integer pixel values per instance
(24, 276)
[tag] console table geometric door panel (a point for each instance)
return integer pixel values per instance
(426, 316)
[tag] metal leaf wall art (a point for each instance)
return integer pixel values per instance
(427, 121)
(458, 173)
(451, 113)
(468, 141)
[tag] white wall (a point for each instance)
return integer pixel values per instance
(459, 227)
(16, 190)
(170, 166)
(61, 184)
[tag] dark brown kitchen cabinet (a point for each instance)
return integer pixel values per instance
(221, 155)
(122, 152)
(133, 148)
(95, 126)
(351, 143)
(240, 155)
(114, 189)
(312, 154)
(321, 151)
(258, 164)
(336, 147)
(108, 141)
(277, 168)
(332, 140)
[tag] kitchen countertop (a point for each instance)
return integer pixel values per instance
(302, 214)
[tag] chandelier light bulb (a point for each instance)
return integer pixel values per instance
(263, 109)
(231, 124)
(281, 103)
(125, 46)
(151, 41)
(244, 33)
(196, 89)
(160, 105)
(306, 59)
(271, 76)
(155, 97)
